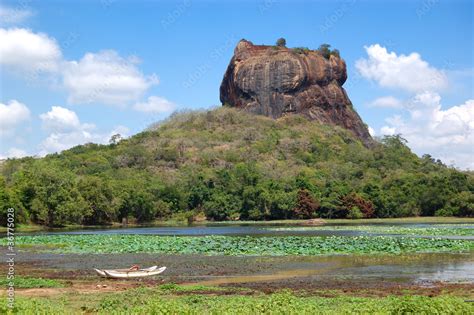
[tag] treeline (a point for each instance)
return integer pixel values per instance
(229, 165)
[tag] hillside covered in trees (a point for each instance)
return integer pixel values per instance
(229, 165)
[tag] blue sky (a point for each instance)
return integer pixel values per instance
(79, 71)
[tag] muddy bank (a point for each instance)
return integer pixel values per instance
(345, 272)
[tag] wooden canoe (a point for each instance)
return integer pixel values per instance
(133, 273)
(101, 272)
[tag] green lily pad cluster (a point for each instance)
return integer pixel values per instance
(242, 245)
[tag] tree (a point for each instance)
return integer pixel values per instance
(57, 200)
(356, 206)
(435, 193)
(325, 50)
(376, 195)
(198, 193)
(306, 205)
(252, 207)
(222, 206)
(281, 42)
(4, 202)
(235, 165)
(174, 195)
(162, 209)
(139, 204)
(461, 205)
(331, 200)
(115, 139)
(100, 200)
(280, 202)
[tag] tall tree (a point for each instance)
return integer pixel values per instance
(306, 205)
(100, 200)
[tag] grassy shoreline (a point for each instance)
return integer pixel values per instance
(208, 301)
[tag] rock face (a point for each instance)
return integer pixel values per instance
(277, 81)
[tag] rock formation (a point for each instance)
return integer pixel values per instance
(277, 81)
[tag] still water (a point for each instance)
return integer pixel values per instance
(422, 268)
(257, 230)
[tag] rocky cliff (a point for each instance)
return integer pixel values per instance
(277, 81)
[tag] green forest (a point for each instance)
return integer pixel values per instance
(225, 164)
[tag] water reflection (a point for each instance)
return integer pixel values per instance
(421, 269)
(414, 268)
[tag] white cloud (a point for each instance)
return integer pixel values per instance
(24, 51)
(14, 153)
(60, 119)
(387, 131)
(121, 130)
(57, 142)
(386, 101)
(406, 72)
(11, 115)
(371, 131)
(105, 77)
(9, 15)
(445, 134)
(67, 131)
(155, 104)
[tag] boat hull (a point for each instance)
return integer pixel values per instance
(102, 273)
(133, 274)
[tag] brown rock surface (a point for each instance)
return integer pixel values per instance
(277, 81)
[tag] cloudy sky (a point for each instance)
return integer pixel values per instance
(80, 71)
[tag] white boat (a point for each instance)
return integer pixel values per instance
(133, 273)
(101, 272)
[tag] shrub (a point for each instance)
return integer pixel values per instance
(281, 42)
(163, 209)
(335, 52)
(355, 213)
(356, 206)
(325, 50)
(301, 50)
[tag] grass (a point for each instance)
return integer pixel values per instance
(24, 228)
(242, 245)
(28, 283)
(176, 288)
(152, 301)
